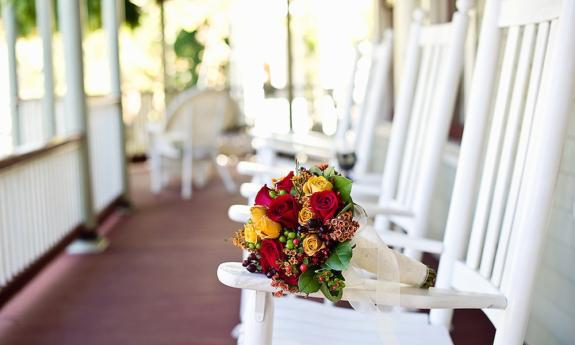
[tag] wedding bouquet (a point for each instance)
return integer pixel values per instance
(302, 235)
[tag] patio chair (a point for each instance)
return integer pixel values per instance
(426, 101)
(194, 121)
(515, 130)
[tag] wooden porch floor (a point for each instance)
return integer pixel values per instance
(155, 285)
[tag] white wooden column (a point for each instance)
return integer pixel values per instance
(44, 17)
(71, 29)
(11, 32)
(402, 15)
(111, 21)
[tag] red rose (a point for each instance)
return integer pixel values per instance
(285, 183)
(284, 210)
(324, 204)
(263, 197)
(292, 281)
(271, 252)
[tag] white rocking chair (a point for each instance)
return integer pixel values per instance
(434, 62)
(506, 218)
(195, 119)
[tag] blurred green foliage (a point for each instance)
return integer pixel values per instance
(188, 48)
(26, 15)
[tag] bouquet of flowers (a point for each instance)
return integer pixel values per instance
(300, 233)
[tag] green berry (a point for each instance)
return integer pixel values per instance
(282, 192)
(251, 246)
(289, 244)
(258, 245)
(272, 194)
(291, 235)
(286, 233)
(282, 239)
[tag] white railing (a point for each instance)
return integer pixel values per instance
(41, 201)
(105, 143)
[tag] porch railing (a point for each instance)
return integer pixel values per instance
(40, 204)
(41, 195)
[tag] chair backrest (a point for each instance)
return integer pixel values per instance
(425, 105)
(510, 155)
(375, 100)
(199, 115)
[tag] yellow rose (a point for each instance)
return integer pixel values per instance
(250, 234)
(304, 215)
(257, 212)
(312, 244)
(264, 227)
(316, 184)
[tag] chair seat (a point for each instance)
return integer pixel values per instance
(304, 322)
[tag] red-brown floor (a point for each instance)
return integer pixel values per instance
(155, 285)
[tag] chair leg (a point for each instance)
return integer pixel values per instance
(155, 171)
(259, 316)
(187, 175)
(226, 177)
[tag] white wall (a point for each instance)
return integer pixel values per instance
(553, 316)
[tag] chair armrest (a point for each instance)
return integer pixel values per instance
(234, 275)
(401, 240)
(239, 213)
(391, 208)
(251, 168)
(318, 153)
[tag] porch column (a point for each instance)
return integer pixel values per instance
(11, 32)
(44, 17)
(110, 18)
(69, 11)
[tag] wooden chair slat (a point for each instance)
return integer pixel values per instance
(521, 12)
(508, 151)
(493, 149)
(512, 200)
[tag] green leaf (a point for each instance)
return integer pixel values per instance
(343, 185)
(307, 282)
(340, 257)
(346, 208)
(329, 294)
(315, 170)
(329, 172)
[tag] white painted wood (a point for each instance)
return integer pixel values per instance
(105, 153)
(493, 150)
(375, 102)
(468, 172)
(111, 23)
(71, 29)
(9, 19)
(258, 321)
(512, 199)
(44, 18)
(542, 168)
(40, 202)
(188, 137)
(233, 274)
(508, 151)
(535, 165)
(517, 12)
(441, 111)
